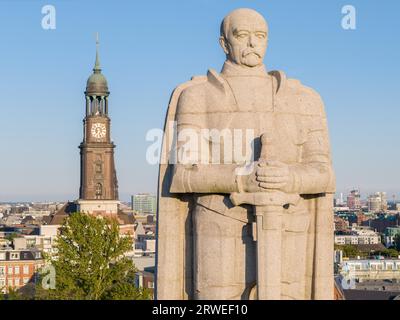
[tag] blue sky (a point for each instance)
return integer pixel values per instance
(148, 47)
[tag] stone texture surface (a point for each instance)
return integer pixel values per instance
(264, 232)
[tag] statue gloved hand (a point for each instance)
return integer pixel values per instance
(266, 176)
(273, 175)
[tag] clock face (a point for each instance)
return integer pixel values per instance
(99, 130)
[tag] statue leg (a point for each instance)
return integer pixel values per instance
(294, 251)
(224, 256)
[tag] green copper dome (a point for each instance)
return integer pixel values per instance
(97, 83)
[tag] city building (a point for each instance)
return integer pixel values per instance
(361, 218)
(18, 229)
(382, 222)
(356, 239)
(357, 236)
(341, 224)
(389, 235)
(377, 202)
(144, 203)
(18, 267)
(370, 269)
(354, 200)
(39, 242)
(145, 241)
(144, 277)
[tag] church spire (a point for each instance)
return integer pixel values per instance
(97, 68)
(98, 176)
(96, 85)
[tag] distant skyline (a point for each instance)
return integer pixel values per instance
(148, 48)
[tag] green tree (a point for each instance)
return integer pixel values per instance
(11, 236)
(90, 263)
(392, 253)
(12, 294)
(125, 290)
(350, 251)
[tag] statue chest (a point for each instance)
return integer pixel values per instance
(251, 94)
(247, 111)
(237, 136)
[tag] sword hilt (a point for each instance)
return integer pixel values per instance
(275, 198)
(268, 150)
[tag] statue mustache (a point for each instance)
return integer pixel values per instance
(248, 52)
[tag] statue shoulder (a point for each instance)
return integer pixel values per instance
(190, 87)
(192, 96)
(186, 93)
(306, 99)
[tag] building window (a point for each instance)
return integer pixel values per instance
(2, 283)
(26, 280)
(10, 283)
(2, 256)
(16, 282)
(26, 269)
(151, 285)
(2, 271)
(16, 270)
(10, 270)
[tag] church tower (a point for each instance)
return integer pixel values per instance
(98, 193)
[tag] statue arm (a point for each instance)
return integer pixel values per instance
(315, 173)
(193, 173)
(198, 178)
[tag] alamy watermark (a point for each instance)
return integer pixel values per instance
(349, 21)
(348, 278)
(49, 278)
(49, 18)
(202, 146)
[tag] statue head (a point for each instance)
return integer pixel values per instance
(244, 37)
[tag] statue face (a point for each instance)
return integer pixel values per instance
(245, 39)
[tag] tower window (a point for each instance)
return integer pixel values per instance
(97, 105)
(99, 168)
(99, 190)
